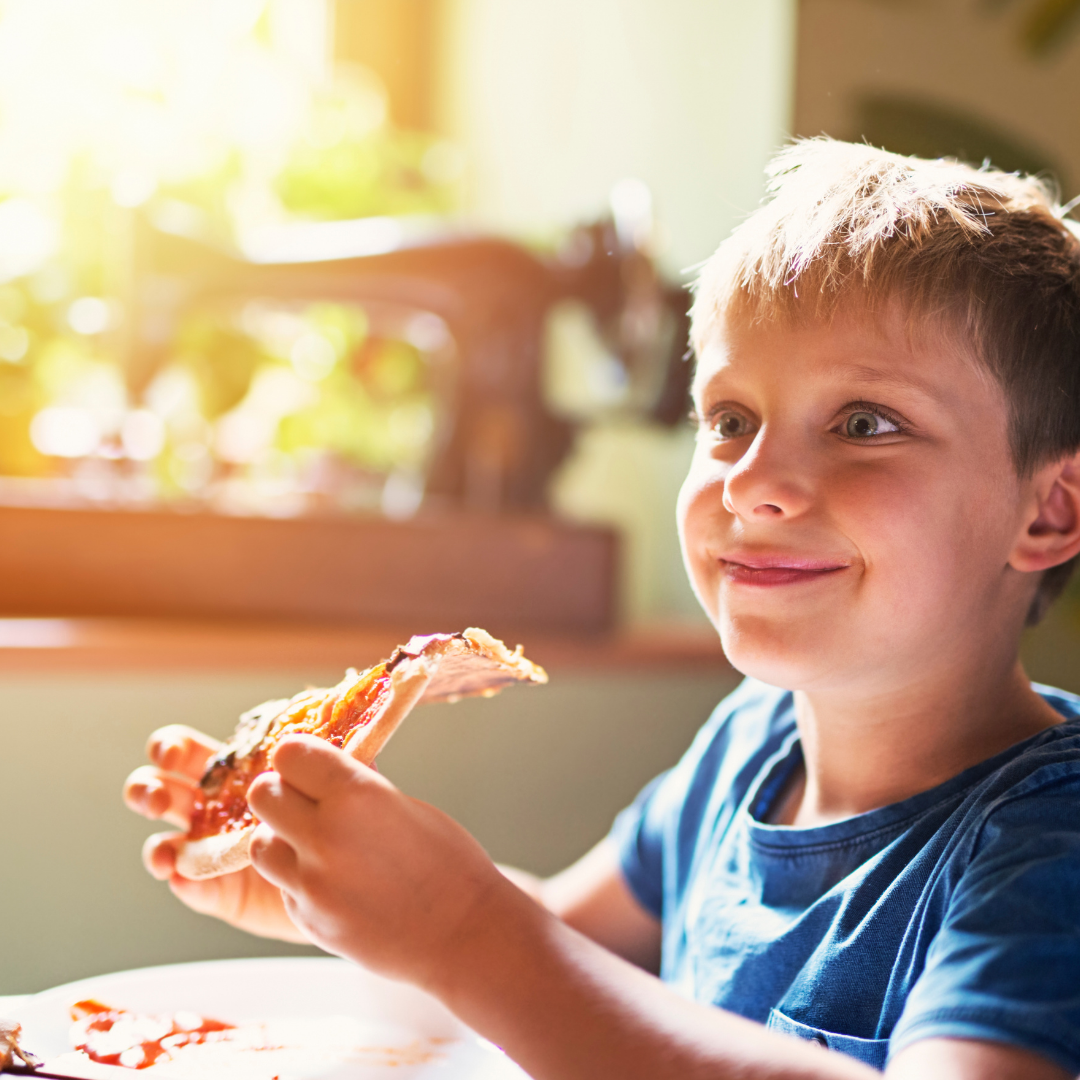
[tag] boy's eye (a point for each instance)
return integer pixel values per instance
(729, 424)
(865, 425)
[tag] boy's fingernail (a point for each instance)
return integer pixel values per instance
(167, 753)
(150, 796)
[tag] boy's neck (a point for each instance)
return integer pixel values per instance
(867, 751)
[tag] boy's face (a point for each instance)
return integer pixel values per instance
(852, 504)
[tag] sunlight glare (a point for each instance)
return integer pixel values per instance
(146, 90)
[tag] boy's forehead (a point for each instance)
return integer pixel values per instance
(883, 348)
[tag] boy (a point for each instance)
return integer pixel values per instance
(877, 866)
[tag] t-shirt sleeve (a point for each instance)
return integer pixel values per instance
(1005, 965)
(656, 835)
(638, 836)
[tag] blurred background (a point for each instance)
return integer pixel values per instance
(324, 322)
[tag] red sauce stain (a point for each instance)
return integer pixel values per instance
(419, 1052)
(136, 1040)
(133, 1040)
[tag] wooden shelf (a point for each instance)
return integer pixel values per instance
(115, 645)
(449, 568)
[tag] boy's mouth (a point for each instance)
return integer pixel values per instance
(765, 570)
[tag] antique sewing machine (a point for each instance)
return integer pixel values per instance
(498, 440)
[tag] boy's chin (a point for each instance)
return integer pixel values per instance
(783, 659)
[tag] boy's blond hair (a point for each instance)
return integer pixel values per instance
(982, 257)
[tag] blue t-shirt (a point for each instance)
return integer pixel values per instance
(953, 913)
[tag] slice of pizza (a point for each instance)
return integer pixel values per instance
(357, 716)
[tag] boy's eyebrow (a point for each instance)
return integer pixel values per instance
(862, 373)
(905, 381)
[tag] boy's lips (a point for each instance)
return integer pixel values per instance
(764, 569)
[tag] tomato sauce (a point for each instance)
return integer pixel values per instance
(356, 708)
(138, 1040)
(227, 810)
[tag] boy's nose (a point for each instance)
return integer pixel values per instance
(766, 483)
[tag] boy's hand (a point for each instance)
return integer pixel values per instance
(366, 871)
(166, 790)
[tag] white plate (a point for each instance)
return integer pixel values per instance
(327, 1020)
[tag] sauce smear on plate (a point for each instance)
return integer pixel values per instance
(138, 1040)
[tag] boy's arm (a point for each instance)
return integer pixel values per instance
(592, 897)
(396, 885)
(616, 1021)
(967, 1059)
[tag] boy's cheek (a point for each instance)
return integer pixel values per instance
(701, 568)
(700, 511)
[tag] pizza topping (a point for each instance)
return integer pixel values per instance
(221, 800)
(227, 809)
(138, 1040)
(246, 740)
(10, 1032)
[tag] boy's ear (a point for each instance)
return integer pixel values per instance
(1052, 536)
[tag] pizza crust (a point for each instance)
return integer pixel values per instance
(470, 664)
(436, 667)
(212, 856)
(408, 682)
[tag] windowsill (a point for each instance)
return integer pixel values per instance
(116, 645)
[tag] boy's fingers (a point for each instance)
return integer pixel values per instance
(315, 768)
(203, 896)
(159, 854)
(178, 748)
(154, 794)
(273, 858)
(288, 812)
